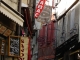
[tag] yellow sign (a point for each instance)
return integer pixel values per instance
(24, 48)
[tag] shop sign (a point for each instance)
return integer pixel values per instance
(14, 46)
(39, 8)
(45, 15)
(24, 48)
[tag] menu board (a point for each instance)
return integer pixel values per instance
(2, 50)
(14, 46)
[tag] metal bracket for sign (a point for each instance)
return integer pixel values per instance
(14, 46)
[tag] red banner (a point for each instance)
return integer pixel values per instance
(39, 8)
(29, 50)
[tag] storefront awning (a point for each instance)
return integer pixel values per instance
(10, 14)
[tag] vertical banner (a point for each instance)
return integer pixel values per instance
(29, 49)
(39, 8)
(24, 48)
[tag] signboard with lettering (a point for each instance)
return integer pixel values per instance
(14, 46)
(2, 49)
(24, 48)
(39, 8)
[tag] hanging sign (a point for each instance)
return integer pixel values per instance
(45, 15)
(24, 48)
(39, 8)
(14, 46)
